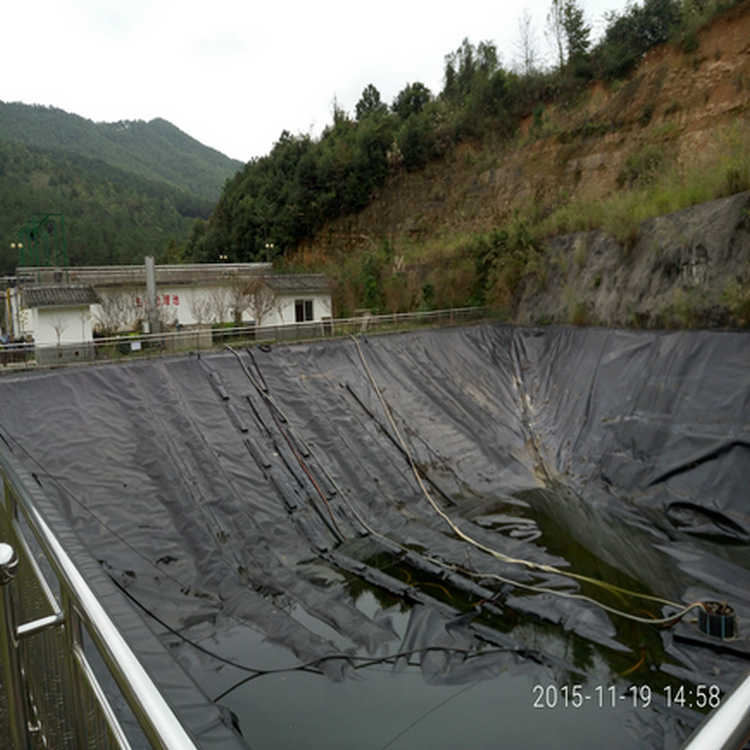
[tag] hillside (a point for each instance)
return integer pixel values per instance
(476, 225)
(156, 150)
(110, 215)
(125, 189)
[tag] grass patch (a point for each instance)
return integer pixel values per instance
(652, 187)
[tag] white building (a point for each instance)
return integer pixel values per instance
(190, 295)
(61, 319)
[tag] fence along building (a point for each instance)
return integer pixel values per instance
(186, 296)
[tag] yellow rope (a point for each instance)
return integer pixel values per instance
(682, 611)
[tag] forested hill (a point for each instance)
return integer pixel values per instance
(125, 190)
(156, 150)
(110, 215)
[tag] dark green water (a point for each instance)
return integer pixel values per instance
(522, 704)
(378, 711)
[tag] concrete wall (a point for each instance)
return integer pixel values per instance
(61, 334)
(61, 325)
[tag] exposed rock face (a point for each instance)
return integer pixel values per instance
(679, 272)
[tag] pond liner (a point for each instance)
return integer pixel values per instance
(294, 492)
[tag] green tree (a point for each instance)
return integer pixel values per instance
(370, 103)
(416, 141)
(475, 91)
(464, 65)
(468, 67)
(577, 33)
(567, 28)
(411, 100)
(629, 35)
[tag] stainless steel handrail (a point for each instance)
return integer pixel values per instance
(728, 726)
(9, 652)
(82, 607)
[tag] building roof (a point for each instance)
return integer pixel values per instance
(61, 295)
(187, 273)
(181, 273)
(298, 283)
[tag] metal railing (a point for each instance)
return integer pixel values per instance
(728, 726)
(200, 338)
(65, 663)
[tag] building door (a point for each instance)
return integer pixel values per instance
(303, 310)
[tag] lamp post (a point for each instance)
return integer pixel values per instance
(17, 246)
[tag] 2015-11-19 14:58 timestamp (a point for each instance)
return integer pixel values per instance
(636, 696)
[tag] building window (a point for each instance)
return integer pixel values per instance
(303, 310)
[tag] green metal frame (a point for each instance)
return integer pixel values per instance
(42, 242)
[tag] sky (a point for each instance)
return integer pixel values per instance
(235, 74)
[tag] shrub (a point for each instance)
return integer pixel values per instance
(736, 298)
(642, 167)
(416, 141)
(507, 260)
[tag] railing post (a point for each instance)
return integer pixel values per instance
(73, 639)
(14, 685)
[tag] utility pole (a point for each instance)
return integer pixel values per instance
(152, 310)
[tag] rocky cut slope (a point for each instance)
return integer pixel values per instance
(688, 269)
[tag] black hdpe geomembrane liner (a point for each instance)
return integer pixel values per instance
(273, 517)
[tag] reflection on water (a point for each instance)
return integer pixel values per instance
(375, 711)
(476, 693)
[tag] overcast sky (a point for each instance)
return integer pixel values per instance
(233, 74)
